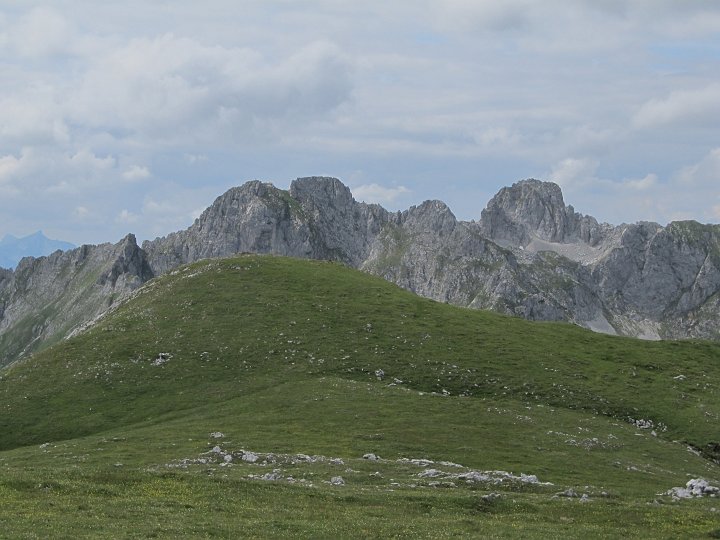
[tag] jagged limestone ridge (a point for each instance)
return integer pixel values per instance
(317, 218)
(529, 256)
(46, 297)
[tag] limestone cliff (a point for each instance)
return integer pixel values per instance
(530, 255)
(45, 298)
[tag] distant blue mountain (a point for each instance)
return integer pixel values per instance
(12, 249)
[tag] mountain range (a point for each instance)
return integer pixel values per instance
(529, 255)
(13, 249)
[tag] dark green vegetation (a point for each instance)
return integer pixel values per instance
(109, 434)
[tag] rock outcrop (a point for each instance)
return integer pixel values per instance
(530, 255)
(45, 298)
(642, 280)
(317, 218)
(535, 210)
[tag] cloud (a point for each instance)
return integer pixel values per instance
(497, 136)
(480, 92)
(9, 166)
(195, 158)
(642, 184)
(80, 212)
(496, 16)
(126, 217)
(177, 89)
(573, 172)
(688, 193)
(704, 173)
(698, 107)
(570, 27)
(86, 160)
(375, 193)
(40, 32)
(32, 117)
(135, 173)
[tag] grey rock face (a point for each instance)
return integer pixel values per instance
(45, 298)
(317, 218)
(643, 280)
(341, 228)
(529, 256)
(532, 208)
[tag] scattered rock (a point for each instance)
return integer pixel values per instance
(162, 358)
(474, 476)
(250, 457)
(272, 476)
(418, 462)
(529, 478)
(498, 477)
(697, 487)
(430, 473)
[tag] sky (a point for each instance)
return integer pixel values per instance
(134, 116)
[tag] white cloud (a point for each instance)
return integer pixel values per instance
(126, 217)
(85, 159)
(375, 193)
(496, 16)
(573, 172)
(195, 158)
(135, 173)
(642, 184)
(9, 165)
(699, 107)
(177, 89)
(41, 32)
(704, 173)
(32, 118)
(497, 136)
(571, 27)
(689, 193)
(478, 92)
(80, 212)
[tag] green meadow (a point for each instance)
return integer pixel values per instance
(269, 397)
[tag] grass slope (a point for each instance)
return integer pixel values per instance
(108, 434)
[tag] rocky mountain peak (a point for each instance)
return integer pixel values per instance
(321, 192)
(432, 216)
(528, 208)
(130, 263)
(533, 209)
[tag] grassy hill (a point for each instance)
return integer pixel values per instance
(225, 397)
